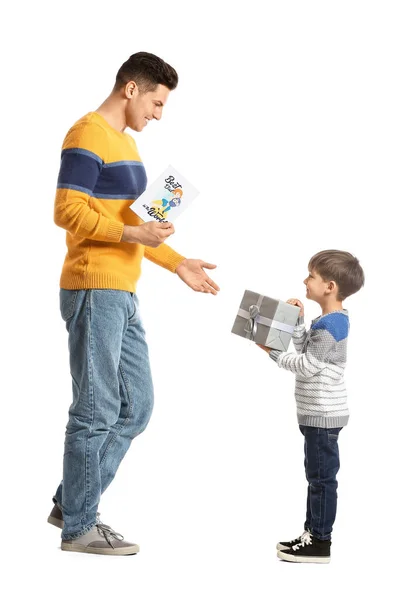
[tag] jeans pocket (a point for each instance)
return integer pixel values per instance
(67, 303)
(134, 308)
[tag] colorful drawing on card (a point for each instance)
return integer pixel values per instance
(166, 198)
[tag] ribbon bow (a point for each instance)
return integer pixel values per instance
(251, 323)
(253, 318)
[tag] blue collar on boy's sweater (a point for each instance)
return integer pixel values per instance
(336, 323)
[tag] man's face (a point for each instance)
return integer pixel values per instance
(316, 287)
(142, 108)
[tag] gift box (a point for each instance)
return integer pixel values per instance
(266, 321)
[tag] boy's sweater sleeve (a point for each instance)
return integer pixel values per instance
(313, 360)
(299, 335)
(85, 150)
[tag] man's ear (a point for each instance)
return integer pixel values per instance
(131, 89)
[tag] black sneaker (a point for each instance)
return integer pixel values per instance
(309, 549)
(288, 545)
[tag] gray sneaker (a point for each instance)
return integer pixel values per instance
(56, 517)
(102, 539)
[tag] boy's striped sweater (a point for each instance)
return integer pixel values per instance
(101, 174)
(319, 366)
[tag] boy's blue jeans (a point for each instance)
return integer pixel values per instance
(112, 397)
(321, 467)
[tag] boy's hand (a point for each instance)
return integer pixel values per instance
(265, 348)
(296, 302)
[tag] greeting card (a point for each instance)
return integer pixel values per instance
(166, 198)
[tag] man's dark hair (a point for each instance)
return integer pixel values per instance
(342, 268)
(147, 71)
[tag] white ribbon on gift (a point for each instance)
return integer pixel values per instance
(272, 323)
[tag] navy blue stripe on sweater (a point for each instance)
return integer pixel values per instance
(126, 180)
(84, 171)
(79, 169)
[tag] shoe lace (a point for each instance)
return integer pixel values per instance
(305, 539)
(298, 539)
(107, 532)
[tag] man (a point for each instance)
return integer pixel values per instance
(101, 174)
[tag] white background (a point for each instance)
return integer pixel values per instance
(293, 119)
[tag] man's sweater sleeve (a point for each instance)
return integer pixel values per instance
(85, 149)
(313, 360)
(164, 256)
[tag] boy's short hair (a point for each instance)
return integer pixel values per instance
(341, 267)
(147, 71)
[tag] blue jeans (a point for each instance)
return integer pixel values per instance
(321, 467)
(112, 397)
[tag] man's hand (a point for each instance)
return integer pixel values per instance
(149, 234)
(297, 302)
(191, 272)
(265, 348)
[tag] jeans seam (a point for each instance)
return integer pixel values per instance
(91, 399)
(134, 310)
(73, 303)
(319, 480)
(308, 518)
(127, 417)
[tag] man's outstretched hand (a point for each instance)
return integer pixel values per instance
(191, 272)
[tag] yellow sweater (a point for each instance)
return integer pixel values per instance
(101, 174)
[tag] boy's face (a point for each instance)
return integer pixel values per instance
(142, 108)
(316, 287)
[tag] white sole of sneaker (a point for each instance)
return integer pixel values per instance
(56, 522)
(107, 551)
(303, 559)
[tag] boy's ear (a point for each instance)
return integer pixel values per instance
(332, 286)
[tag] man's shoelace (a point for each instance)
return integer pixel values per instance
(305, 539)
(108, 533)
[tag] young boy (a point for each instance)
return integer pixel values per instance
(321, 395)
